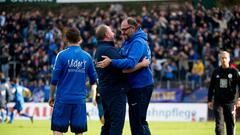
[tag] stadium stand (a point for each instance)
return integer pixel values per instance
(178, 37)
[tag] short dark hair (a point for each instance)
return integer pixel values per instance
(15, 80)
(73, 35)
(100, 31)
(131, 21)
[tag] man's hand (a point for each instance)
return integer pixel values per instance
(104, 63)
(210, 105)
(145, 62)
(51, 101)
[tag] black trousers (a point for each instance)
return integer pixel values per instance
(224, 112)
(114, 106)
(138, 101)
(146, 97)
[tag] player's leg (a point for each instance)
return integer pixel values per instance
(78, 119)
(11, 114)
(3, 106)
(100, 112)
(146, 97)
(229, 117)
(19, 108)
(7, 114)
(2, 117)
(106, 126)
(26, 115)
(117, 112)
(219, 119)
(134, 103)
(60, 118)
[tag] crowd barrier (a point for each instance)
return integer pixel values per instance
(156, 112)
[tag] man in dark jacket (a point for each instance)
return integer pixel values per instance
(133, 50)
(223, 96)
(113, 83)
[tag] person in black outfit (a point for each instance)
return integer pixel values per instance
(4, 97)
(113, 84)
(223, 96)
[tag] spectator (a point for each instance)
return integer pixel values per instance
(197, 72)
(29, 39)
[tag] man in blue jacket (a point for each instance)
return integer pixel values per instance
(113, 83)
(135, 49)
(71, 68)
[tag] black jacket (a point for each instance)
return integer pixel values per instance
(111, 79)
(223, 85)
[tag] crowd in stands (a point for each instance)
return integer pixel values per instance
(184, 40)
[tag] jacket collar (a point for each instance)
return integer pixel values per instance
(109, 43)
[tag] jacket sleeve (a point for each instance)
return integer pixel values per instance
(135, 54)
(211, 87)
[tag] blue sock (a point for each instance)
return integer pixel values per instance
(11, 117)
(7, 112)
(25, 115)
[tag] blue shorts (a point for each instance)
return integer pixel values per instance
(18, 106)
(64, 115)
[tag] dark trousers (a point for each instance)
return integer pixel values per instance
(146, 97)
(114, 106)
(224, 112)
(138, 101)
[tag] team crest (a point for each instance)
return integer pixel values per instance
(229, 75)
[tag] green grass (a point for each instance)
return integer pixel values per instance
(21, 127)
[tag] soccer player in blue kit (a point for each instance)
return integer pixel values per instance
(19, 100)
(70, 71)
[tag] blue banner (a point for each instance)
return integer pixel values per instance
(198, 95)
(166, 95)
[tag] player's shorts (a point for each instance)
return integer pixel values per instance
(18, 106)
(64, 115)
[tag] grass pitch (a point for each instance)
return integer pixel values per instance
(42, 127)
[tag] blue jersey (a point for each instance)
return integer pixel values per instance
(134, 50)
(70, 71)
(19, 93)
